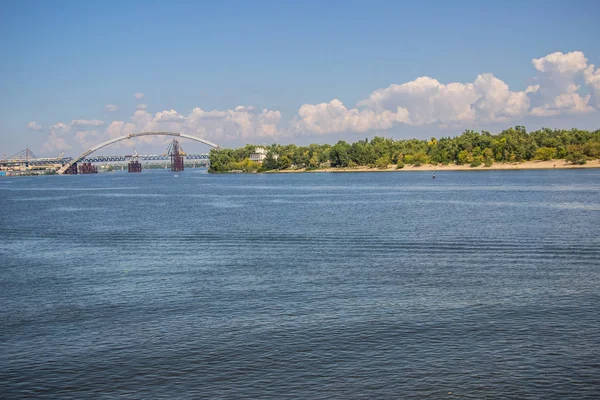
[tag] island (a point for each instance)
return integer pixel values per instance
(513, 148)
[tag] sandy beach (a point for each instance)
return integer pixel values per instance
(553, 164)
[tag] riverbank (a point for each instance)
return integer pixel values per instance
(526, 165)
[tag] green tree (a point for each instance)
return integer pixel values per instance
(545, 153)
(383, 162)
(464, 157)
(477, 161)
(339, 154)
(270, 162)
(285, 162)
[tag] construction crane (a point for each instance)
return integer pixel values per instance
(176, 152)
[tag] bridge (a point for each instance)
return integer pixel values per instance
(85, 154)
(142, 157)
(103, 159)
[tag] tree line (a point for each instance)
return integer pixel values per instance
(471, 148)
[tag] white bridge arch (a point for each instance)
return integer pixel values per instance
(131, 136)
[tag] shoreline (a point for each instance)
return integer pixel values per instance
(526, 165)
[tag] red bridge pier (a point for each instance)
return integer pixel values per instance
(88, 168)
(177, 156)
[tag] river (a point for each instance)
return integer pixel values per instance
(482, 285)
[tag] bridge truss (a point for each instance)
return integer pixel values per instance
(66, 167)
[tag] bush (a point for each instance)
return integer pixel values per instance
(488, 162)
(545, 153)
(464, 157)
(382, 162)
(576, 158)
(477, 161)
(400, 165)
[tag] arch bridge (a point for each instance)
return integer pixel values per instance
(131, 136)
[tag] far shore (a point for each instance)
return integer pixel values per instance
(526, 165)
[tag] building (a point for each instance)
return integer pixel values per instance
(260, 153)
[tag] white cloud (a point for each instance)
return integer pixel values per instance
(566, 103)
(60, 128)
(87, 139)
(240, 123)
(426, 100)
(86, 122)
(592, 76)
(111, 107)
(422, 101)
(170, 115)
(55, 143)
(143, 121)
(559, 63)
(496, 102)
(34, 126)
(488, 99)
(57, 139)
(120, 128)
(564, 84)
(139, 95)
(334, 117)
(559, 88)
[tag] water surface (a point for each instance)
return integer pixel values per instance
(366, 285)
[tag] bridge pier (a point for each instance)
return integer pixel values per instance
(176, 153)
(72, 170)
(134, 166)
(88, 168)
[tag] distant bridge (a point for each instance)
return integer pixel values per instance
(85, 154)
(141, 157)
(102, 159)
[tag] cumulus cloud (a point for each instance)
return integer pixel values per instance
(564, 103)
(488, 99)
(334, 117)
(564, 84)
(170, 115)
(422, 101)
(86, 122)
(240, 123)
(139, 95)
(559, 91)
(87, 139)
(111, 107)
(560, 63)
(592, 76)
(55, 143)
(60, 128)
(57, 140)
(120, 128)
(34, 126)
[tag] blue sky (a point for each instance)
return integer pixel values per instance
(299, 72)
